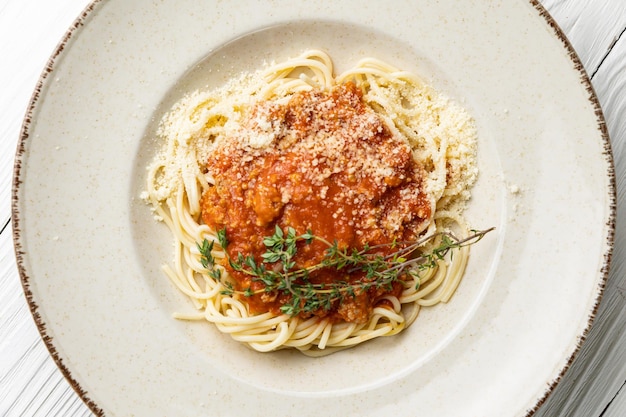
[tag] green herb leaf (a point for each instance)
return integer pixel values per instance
(304, 296)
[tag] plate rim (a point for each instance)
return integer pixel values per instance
(612, 190)
(24, 134)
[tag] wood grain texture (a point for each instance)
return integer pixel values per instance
(617, 407)
(591, 26)
(30, 383)
(25, 49)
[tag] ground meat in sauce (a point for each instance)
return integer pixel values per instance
(327, 163)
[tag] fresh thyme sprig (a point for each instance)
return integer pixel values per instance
(278, 273)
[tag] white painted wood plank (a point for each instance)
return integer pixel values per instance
(591, 26)
(30, 382)
(610, 84)
(31, 30)
(618, 407)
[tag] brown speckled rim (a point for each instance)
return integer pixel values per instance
(25, 134)
(17, 173)
(610, 237)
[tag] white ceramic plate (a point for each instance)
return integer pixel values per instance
(89, 251)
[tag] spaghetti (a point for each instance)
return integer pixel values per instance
(371, 157)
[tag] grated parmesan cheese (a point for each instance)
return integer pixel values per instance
(440, 135)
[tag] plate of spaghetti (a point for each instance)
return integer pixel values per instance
(336, 209)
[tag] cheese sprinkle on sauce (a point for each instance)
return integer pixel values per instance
(327, 163)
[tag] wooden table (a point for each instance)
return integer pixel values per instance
(31, 384)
